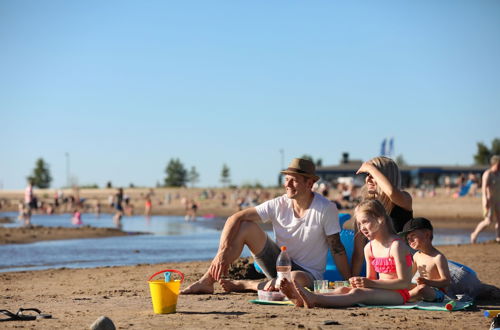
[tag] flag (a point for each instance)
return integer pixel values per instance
(390, 152)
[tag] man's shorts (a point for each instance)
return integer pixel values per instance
(267, 259)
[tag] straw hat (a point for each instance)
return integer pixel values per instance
(303, 167)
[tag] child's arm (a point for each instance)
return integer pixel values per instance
(444, 273)
(371, 274)
(414, 264)
(403, 271)
(370, 271)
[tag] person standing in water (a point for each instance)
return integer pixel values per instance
(28, 203)
(491, 199)
(118, 204)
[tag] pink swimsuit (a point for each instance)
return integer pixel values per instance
(387, 266)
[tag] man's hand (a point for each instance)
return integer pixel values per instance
(339, 255)
(360, 282)
(421, 280)
(219, 266)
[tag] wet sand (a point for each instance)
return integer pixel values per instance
(39, 233)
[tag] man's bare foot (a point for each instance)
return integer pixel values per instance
(202, 286)
(289, 290)
(307, 297)
(238, 285)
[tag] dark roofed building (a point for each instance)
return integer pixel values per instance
(412, 175)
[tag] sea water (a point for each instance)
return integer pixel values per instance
(165, 239)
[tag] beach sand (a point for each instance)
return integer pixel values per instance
(77, 297)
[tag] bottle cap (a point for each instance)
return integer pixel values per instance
(283, 248)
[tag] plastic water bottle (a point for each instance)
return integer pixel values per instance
(283, 267)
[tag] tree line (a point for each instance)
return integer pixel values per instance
(178, 176)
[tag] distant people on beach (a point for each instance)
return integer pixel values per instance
(148, 206)
(474, 184)
(148, 203)
(30, 203)
(382, 182)
(491, 199)
(167, 198)
(191, 210)
(128, 206)
(303, 221)
(388, 267)
(76, 220)
(118, 205)
(223, 198)
(97, 208)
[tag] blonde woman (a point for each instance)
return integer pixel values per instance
(382, 182)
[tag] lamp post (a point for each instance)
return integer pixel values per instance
(280, 176)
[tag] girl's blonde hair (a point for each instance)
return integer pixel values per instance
(374, 208)
(390, 170)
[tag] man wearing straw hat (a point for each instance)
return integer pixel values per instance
(303, 221)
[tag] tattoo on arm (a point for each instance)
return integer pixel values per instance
(335, 244)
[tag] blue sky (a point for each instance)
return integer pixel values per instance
(124, 86)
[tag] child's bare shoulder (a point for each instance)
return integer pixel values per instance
(439, 257)
(419, 256)
(398, 245)
(431, 259)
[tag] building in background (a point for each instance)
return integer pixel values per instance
(412, 175)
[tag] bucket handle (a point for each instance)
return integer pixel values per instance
(168, 270)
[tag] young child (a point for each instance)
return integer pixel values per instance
(386, 256)
(431, 264)
(77, 218)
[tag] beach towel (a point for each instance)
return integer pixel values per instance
(430, 306)
(265, 302)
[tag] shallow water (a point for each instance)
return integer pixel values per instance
(170, 239)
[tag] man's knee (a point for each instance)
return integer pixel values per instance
(249, 226)
(252, 235)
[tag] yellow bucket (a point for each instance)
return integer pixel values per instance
(164, 294)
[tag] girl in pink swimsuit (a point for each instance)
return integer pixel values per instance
(388, 261)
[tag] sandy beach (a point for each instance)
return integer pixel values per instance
(77, 297)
